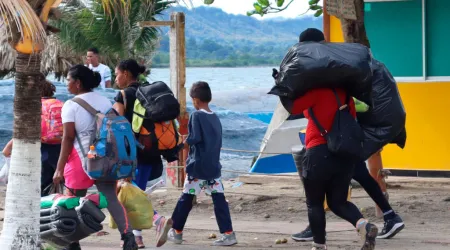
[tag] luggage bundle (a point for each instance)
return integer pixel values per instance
(70, 219)
(351, 67)
(312, 65)
(385, 122)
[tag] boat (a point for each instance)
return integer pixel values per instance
(282, 136)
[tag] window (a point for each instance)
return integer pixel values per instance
(395, 31)
(410, 37)
(437, 38)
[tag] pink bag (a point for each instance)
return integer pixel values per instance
(51, 122)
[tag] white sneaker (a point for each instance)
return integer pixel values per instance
(226, 240)
(174, 237)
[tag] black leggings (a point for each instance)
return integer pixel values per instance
(362, 176)
(327, 175)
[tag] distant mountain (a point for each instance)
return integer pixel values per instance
(216, 38)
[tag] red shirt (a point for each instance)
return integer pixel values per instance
(324, 105)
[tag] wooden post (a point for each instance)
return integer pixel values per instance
(177, 40)
(178, 80)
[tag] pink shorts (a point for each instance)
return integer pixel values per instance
(74, 175)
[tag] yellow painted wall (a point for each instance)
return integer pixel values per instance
(427, 107)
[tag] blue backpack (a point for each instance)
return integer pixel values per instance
(114, 143)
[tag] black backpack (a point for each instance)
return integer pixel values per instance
(159, 102)
(346, 137)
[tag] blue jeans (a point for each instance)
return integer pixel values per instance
(143, 174)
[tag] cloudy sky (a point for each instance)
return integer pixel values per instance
(242, 6)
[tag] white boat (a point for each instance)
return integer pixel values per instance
(276, 148)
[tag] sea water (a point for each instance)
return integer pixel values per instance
(239, 99)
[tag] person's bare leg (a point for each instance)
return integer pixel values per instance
(375, 165)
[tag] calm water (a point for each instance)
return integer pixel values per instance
(239, 98)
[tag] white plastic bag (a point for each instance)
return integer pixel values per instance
(4, 172)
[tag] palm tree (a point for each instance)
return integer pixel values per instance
(85, 24)
(26, 24)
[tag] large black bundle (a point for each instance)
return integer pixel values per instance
(314, 65)
(384, 122)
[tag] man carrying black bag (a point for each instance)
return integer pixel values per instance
(393, 223)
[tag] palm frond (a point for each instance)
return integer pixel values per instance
(19, 16)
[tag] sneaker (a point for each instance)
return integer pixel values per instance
(319, 246)
(226, 240)
(391, 228)
(162, 229)
(139, 241)
(368, 233)
(174, 237)
(305, 235)
(129, 243)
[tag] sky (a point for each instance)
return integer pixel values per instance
(242, 6)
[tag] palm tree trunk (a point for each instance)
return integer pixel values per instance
(354, 30)
(22, 204)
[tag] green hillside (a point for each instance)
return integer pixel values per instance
(218, 39)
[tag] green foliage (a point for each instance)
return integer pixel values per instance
(117, 35)
(263, 7)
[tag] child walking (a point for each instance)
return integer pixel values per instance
(203, 169)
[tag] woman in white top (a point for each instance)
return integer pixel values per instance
(76, 120)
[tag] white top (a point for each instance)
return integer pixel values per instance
(105, 73)
(84, 121)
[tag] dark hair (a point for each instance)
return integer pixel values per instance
(201, 91)
(312, 35)
(131, 66)
(47, 89)
(88, 78)
(94, 50)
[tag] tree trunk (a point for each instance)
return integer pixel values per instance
(22, 204)
(354, 30)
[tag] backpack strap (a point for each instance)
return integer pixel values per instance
(313, 117)
(86, 106)
(124, 97)
(89, 109)
(338, 100)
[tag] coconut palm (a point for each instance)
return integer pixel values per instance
(85, 24)
(26, 24)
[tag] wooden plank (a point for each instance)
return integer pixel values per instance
(341, 8)
(264, 179)
(155, 23)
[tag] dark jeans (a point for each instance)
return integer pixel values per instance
(362, 176)
(221, 210)
(325, 174)
(49, 160)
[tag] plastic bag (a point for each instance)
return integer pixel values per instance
(138, 206)
(385, 122)
(314, 65)
(4, 172)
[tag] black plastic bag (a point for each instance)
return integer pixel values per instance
(314, 65)
(384, 122)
